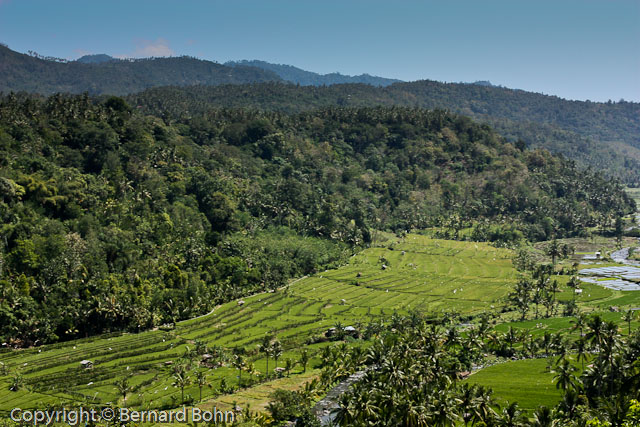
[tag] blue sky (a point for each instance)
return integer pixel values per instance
(576, 49)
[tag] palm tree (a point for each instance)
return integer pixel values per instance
(554, 289)
(569, 406)
(594, 335)
(512, 416)
(239, 363)
(564, 377)
(628, 317)
(453, 337)
(512, 337)
(574, 283)
(180, 380)
(288, 365)
(265, 347)
(554, 250)
(443, 409)
(483, 411)
(580, 345)
(304, 359)
(531, 346)
(123, 388)
(543, 417)
(345, 414)
(546, 342)
(364, 405)
(250, 368)
(579, 323)
(201, 379)
(276, 350)
(467, 398)
(495, 340)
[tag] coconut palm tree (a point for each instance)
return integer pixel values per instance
(543, 417)
(239, 363)
(483, 411)
(564, 377)
(304, 359)
(628, 317)
(580, 346)
(579, 323)
(594, 335)
(443, 409)
(512, 337)
(345, 413)
(265, 347)
(288, 365)
(123, 387)
(276, 350)
(201, 380)
(574, 283)
(569, 406)
(512, 416)
(180, 380)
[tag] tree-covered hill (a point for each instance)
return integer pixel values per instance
(116, 219)
(308, 78)
(604, 136)
(20, 72)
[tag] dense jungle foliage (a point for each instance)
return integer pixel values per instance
(113, 219)
(603, 136)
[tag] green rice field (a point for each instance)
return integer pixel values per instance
(413, 273)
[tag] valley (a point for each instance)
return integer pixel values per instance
(398, 276)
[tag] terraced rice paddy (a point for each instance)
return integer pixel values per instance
(414, 273)
(618, 278)
(528, 382)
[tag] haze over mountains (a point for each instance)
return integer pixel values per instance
(20, 72)
(604, 136)
(308, 78)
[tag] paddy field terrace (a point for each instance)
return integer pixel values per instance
(411, 273)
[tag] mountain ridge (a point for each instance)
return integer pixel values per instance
(309, 78)
(21, 72)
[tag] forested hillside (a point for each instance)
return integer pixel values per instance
(307, 78)
(19, 72)
(113, 219)
(604, 136)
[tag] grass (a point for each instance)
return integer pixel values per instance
(528, 382)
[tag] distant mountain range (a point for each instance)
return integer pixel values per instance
(308, 78)
(101, 74)
(104, 74)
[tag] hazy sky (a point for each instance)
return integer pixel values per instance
(576, 49)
